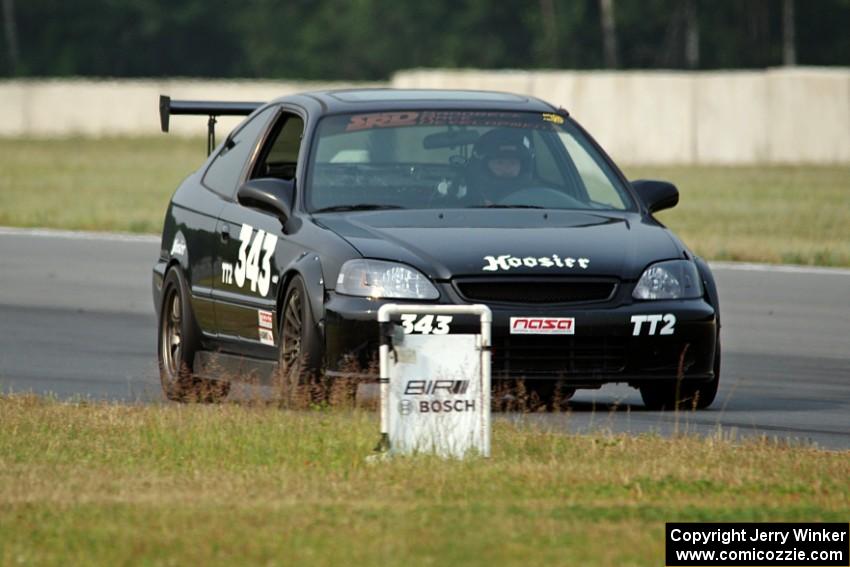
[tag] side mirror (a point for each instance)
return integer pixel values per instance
(656, 195)
(273, 195)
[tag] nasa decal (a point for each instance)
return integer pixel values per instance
(543, 326)
(265, 322)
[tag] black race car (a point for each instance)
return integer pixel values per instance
(320, 207)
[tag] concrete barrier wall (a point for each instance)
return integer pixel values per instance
(799, 115)
(50, 108)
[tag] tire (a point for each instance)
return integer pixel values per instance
(178, 339)
(301, 349)
(690, 396)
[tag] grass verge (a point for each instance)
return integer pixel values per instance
(797, 215)
(776, 214)
(168, 484)
(120, 184)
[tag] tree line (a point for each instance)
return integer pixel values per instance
(371, 39)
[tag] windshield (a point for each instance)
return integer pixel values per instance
(458, 159)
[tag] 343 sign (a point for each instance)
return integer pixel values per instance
(253, 266)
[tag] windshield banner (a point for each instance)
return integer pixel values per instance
(540, 121)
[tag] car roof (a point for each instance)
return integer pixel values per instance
(383, 99)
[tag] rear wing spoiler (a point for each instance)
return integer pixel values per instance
(167, 107)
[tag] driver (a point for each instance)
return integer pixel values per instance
(501, 164)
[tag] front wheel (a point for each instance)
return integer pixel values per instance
(681, 394)
(300, 353)
(178, 342)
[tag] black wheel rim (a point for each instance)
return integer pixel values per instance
(172, 338)
(292, 327)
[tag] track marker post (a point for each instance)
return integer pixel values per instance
(435, 388)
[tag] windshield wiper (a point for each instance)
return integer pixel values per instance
(363, 207)
(498, 206)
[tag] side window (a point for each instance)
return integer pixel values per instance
(280, 154)
(224, 172)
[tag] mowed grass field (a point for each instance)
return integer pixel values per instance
(120, 184)
(103, 484)
(778, 214)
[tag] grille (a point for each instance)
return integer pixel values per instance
(557, 356)
(536, 291)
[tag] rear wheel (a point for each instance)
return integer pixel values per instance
(681, 394)
(178, 341)
(300, 347)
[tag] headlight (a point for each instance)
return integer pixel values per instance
(376, 278)
(674, 279)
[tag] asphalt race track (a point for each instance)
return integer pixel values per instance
(77, 320)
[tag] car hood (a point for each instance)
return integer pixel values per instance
(456, 243)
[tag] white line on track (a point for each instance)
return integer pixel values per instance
(78, 234)
(128, 237)
(784, 268)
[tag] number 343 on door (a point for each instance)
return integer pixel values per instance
(254, 263)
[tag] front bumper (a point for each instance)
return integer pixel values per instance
(611, 343)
